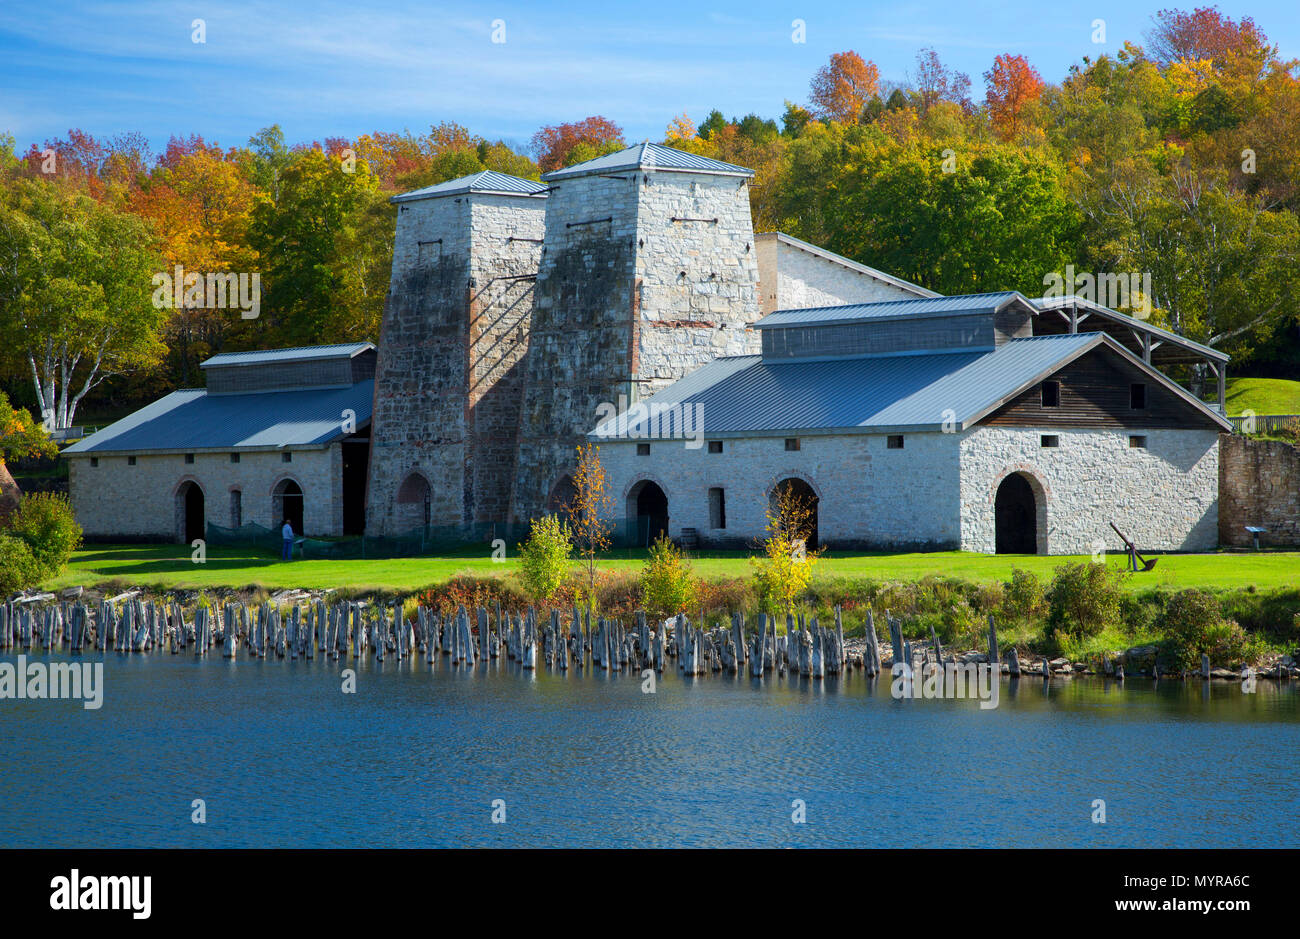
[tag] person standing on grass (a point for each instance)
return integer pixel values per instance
(287, 533)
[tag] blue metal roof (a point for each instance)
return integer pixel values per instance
(300, 354)
(650, 156)
(747, 395)
(966, 304)
(192, 419)
(488, 181)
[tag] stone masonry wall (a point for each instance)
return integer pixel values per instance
(869, 496)
(454, 334)
(1259, 485)
(114, 499)
(506, 248)
(580, 335)
(698, 279)
(627, 301)
(1164, 497)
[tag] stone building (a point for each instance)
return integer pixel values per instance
(925, 424)
(518, 308)
(520, 313)
(274, 435)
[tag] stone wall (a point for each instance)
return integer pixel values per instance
(645, 276)
(697, 268)
(792, 278)
(1164, 497)
(580, 335)
(455, 328)
(869, 496)
(115, 499)
(1259, 485)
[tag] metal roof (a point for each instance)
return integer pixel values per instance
(745, 395)
(489, 182)
(1132, 322)
(967, 304)
(650, 156)
(345, 350)
(192, 419)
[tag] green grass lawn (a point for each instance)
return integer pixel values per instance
(1263, 396)
(170, 566)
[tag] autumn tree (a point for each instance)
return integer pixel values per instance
(316, 287)
(588, 513)
(784, 571)
(201, 205)
(563, 145)
(1238, 48)
(75, 293)
(937, 82)
(1013, 85)
(20, 438)
(841, 88)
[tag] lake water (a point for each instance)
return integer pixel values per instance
(418, 755)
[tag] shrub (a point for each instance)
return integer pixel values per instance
(19, 569)
(668, 586)
(45, 521)
(1194, 625)
(1084, 600)
(1023, 599)
(544, 558)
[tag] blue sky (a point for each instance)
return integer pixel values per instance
(344, 68)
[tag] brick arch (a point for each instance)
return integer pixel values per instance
(1043, 499)
(631, 515)
(777, 478)
(278, 510)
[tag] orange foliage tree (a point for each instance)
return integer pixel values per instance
(841, 88)
(563, 145)
(1013, 84)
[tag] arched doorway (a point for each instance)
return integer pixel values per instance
(287, 503)
(803, 495)
(647, 512)
(414, 502)
(190, 522)
(563, 495)
(1015, 515)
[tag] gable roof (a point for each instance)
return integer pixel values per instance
(782, 238)
(747, 395)
(972, 304)
(346, 350)
(1176, 348)
(191, 419)
(650, 156)
(488, 182)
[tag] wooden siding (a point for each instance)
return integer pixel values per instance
(1014, 322)
(1095, 393)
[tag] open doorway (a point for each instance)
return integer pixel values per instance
(190, 522)
(647, 512)
(287, 503)
(1015, 514)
